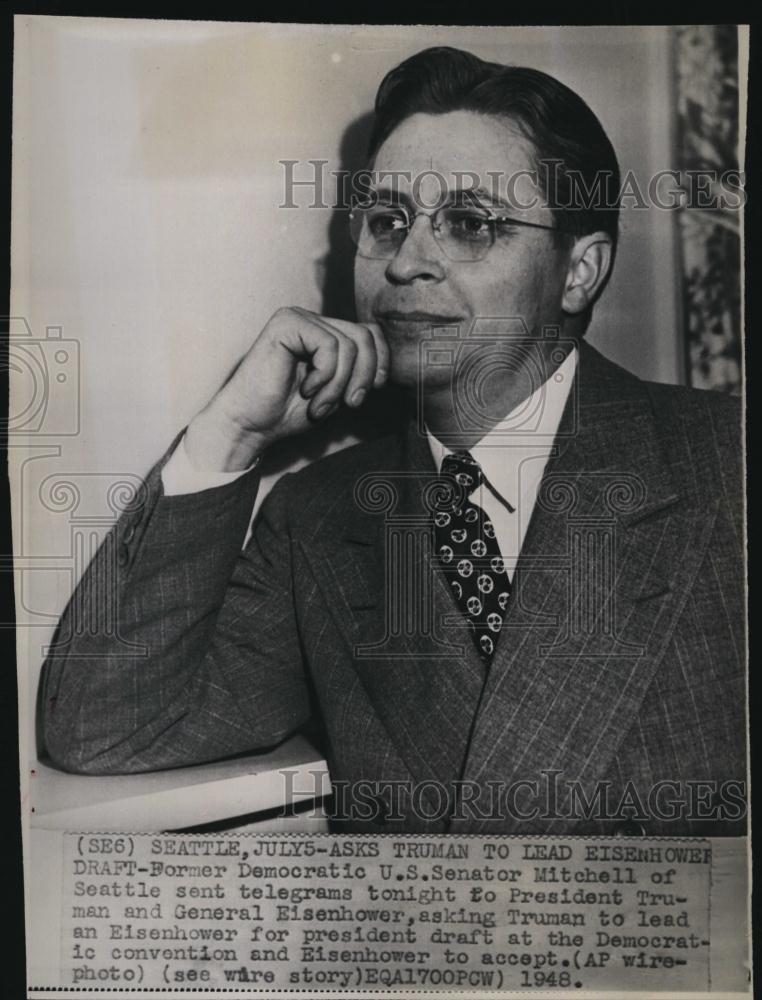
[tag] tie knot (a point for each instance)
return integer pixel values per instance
(464, 469)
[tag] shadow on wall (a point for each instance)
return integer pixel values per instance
(384, 411)
(337, 265)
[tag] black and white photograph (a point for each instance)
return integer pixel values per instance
(377, 472)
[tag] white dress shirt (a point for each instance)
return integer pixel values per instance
(512, 456)
(180, 475)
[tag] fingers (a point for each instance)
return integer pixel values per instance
(299, 369)
(320, 347)
(382, 354)
(373, 349)
(329, 395)
(363, 374)
(346, 361)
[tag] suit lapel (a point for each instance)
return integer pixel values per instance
(608, 560)
(396, 614)
(613, 545)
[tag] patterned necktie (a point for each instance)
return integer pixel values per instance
(469, 554)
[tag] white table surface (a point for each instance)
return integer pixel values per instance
(179, 798)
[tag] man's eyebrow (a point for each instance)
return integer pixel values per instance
(484, 196)
(481, 196)
(391, 194)
(477, 195)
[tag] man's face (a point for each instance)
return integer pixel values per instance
(522, 275)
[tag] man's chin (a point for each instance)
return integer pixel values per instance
(410, 369)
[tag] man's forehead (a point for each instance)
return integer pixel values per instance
(466, 149)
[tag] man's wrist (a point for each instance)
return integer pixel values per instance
(213, 442)
(179, 476)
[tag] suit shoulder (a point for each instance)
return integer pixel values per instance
(701, 433)
(677, 408)
(698, 431)
(697, 411)
(703, 399)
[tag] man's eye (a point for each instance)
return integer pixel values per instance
(468, 225)
(383, 223)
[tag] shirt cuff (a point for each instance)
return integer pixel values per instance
(180, 476)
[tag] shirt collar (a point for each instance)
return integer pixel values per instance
(533, 424)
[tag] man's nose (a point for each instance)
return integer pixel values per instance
(420, 255)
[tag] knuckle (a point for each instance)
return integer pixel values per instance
(382, 348)
(351, 348)
(365, 335)
(369, 345)
(330, 344)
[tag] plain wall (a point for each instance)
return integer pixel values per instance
(146, 227)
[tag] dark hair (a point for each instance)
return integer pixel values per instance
(573, 153)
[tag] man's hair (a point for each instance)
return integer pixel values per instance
(575, 161)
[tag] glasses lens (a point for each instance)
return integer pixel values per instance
(464, 233)
(378, 230)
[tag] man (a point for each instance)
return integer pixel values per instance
(522, 611)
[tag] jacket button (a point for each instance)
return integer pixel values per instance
(630, 828)
(122, 555)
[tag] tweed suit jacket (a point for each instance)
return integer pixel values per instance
(620, 666)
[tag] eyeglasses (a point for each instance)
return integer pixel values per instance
(463, 233)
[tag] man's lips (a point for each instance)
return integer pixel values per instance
(416, 316)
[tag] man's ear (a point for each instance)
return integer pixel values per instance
(589, 265)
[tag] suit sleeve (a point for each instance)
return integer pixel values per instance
(176, 647)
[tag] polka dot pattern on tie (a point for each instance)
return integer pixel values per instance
(469, 555)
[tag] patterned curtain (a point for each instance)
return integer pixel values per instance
(706, 61)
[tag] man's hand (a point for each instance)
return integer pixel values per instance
(297, 372)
